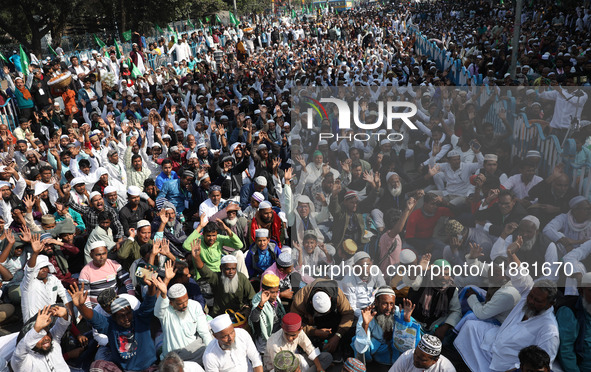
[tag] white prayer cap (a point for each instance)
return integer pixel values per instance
(134, 191)
(64, 136)
(97, 244)
(282, 216)
(533, 220)
(407, 256)
(192, 155)
(258, 196)
(93, 194)
(320, 143)
(4, 183)
(261, 233)
(176, 291)
(43, 261)
(571, 204)
(220, 322)
(261, 181)
(118, 304)
(142, 223)
(125, 65)
(384, 141)
(265, 205)
(41, 187)
(76, 181)
(109, 189)
(102, 171)
(533, 154)
(491, 157)
(430, 345)
(228, 259)
(321, 302)
(453, 153)
(390, 174)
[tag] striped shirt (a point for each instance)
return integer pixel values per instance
(97, 279)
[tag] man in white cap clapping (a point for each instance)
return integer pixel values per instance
(232, 349)
(135, 209)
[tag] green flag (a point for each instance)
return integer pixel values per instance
(99, 41)
(233, 19)
(3, 58)
(217, 19)
(24, 61)
(206, 19)
(293, 14)
(117, 51)
(135, 72)
(190, 24)
(170, 29)
(127, 35)
(51, 49)
(200, 24)
(158, 29)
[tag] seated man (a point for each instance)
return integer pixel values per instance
(212, 244)
(267, 311)
(178, 191)
(487, 347)
(311, 252)
(534, 358)
(384, 331)
(425, 357)
(573, 228)
(291, 338)
(130, 249)
(552, 197)
(522, 183)
(102, 273)
(101, 233)
(128, 331)
(232, 349)
(261, 255)
(436, 299)
(182, 320)
(328, 316)
(135, 209)
(453, 179)
(573, 325)
(167, 225)
(267, 218)
(38, 347)
(460, 239)
(358, 284)
(503, 212)
(231, 288)
(212, 205)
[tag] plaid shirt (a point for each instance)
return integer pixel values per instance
(90, 216)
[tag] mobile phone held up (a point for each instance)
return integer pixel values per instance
(144, 273)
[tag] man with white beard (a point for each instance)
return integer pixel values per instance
(393, 194)
(182, 320)
(531, 249)
(232, 349)
(384, 331)
(231, 289)
(487, 347)
(574, 324)
(237, 224)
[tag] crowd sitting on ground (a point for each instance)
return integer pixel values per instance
(187, 218)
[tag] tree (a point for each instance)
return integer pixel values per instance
(28, 21)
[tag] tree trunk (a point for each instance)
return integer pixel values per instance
(123, 17)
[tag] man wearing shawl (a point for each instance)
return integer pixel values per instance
(437, 305)
(267, 218)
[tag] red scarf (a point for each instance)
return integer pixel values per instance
(275, 232)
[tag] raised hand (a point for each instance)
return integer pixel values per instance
(514, 247)
(29, 202)
(163, 216)
(196, 248)
(165, 247)
(156, 247)
(411, 203)
(58, 311)
(265, 295)
(368, 314)
(26, 234)
(78, 294)
(36, 244)
(9, 237)
(43, 319)
(475, 250)
(408, 307)
(169, 270)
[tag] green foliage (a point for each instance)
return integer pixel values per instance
(250, 6)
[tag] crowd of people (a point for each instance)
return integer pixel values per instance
(192, 218)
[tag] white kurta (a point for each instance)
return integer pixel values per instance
(487, 347)
(405, 363)
(215, 359)
(180, 328)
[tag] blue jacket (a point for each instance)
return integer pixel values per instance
(174, 193)
(132, 349)
(162, 179)
(246, 192)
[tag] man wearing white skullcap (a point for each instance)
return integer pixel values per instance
(115, 166)
(128, 331)
(523, 182)
(571, 229)
(331, 310)
(453, 179)
(267, 218)
(136, 209)
(232, 348)
(112, 198)
(426, 356)
(258, 186)
(262, 254)
(182, 320)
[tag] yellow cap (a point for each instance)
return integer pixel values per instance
(271, 281)
(349, 246)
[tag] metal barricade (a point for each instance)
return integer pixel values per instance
(8, 114)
